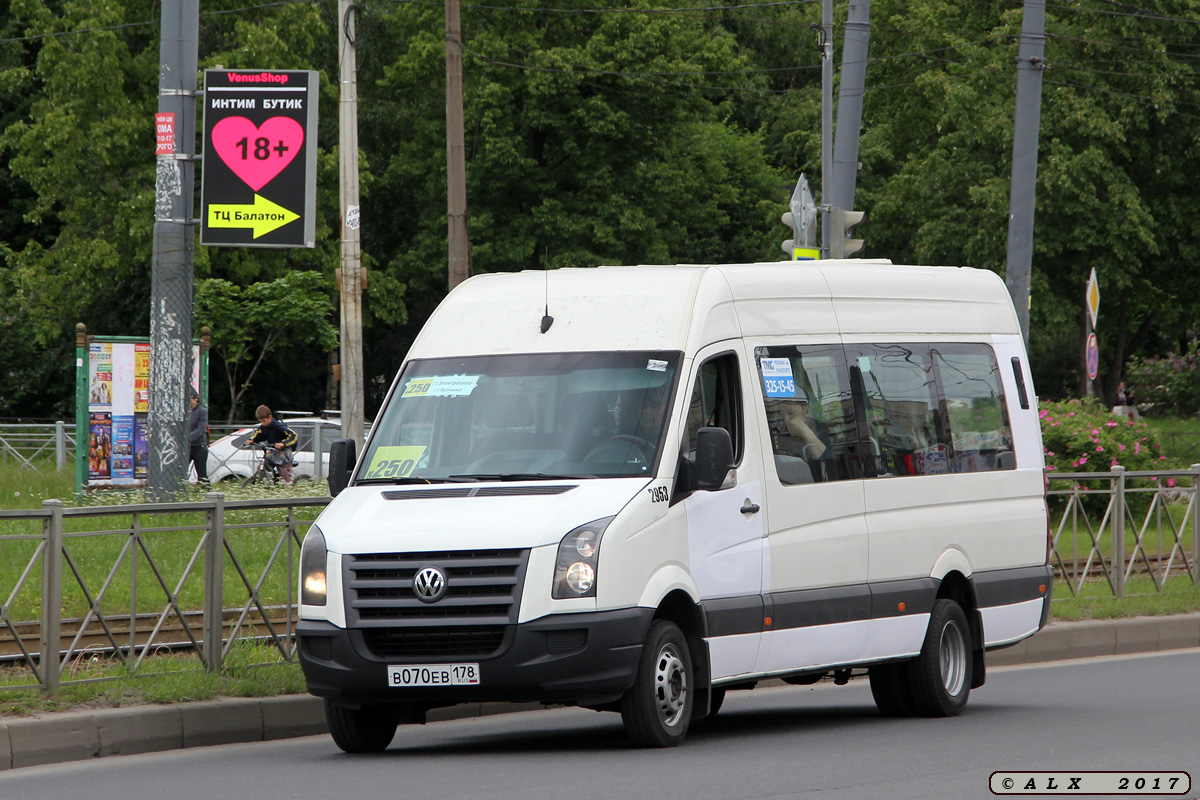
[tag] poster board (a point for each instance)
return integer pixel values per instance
(112, 442)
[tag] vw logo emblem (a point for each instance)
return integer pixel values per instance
(429, 584)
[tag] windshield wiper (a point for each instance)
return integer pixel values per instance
(518, 476)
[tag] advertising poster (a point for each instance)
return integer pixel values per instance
(116, 375)
(100, 387)
(99, 445)
(141, 378)
(122, 448)
(141, 448)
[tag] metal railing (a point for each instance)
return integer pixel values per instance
(131, 581)
(202, 576)
(35, 445)
(1109, 526)
(32, 445)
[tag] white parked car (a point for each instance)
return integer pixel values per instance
(229, 459)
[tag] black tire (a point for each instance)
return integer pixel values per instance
(256, 477)
(368, 729)
(890, 688)
(940, 677)
(657, 710)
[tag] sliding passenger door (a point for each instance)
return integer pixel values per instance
(815, 574)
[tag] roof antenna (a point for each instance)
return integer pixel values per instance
(547, 320)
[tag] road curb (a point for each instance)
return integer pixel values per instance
(95, 733)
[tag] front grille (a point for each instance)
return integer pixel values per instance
(483, 588)
(409, 643)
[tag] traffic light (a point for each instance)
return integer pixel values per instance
(841, 223)
(789, 245)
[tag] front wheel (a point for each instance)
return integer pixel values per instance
(368, 729)
(657, 710)
(941, 674)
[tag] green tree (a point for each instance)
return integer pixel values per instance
(250, 322)
(1116, 143)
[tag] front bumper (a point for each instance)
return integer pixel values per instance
(563, 658)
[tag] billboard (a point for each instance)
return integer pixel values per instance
(258, 178)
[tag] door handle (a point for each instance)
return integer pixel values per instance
(750, 508)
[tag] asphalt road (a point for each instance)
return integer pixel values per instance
(1114, 713)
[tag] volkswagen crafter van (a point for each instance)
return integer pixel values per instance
(634, 489)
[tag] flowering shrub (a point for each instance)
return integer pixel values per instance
(1086, 437)
(1169, 383)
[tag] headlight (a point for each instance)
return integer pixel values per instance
(575, 572)
(312, 568)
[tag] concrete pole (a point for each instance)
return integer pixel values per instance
(826, 121)
(456, 160)
(351, 270)
(849, 105)
(1030, 63)
(173, 258)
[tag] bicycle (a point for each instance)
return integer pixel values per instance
(268, 467)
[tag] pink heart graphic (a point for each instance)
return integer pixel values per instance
(257, 154)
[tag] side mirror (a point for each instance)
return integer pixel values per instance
(714, 458)
(342, 457)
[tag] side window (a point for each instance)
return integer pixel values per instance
(810, 413)
(716, 402)
(980, 435)
(904, 424)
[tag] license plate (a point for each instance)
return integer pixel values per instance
(434, 675)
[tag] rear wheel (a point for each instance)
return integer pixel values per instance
(658, 709)
(367, 729)
(889, 687)
(941, 674)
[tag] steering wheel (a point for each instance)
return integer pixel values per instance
(623, 447)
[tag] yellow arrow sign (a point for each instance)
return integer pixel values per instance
(1093, 297)
(263, 216)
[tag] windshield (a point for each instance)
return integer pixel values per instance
(524, 417)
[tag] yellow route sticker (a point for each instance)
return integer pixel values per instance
(418, 387)
(441, 386)
(394, 462)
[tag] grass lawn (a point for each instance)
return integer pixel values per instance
(251, 670)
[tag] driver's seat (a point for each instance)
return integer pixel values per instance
(583, 422)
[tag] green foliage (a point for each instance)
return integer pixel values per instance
(1087, 437)
(601, 136)
(248, 322)
(1167, 384)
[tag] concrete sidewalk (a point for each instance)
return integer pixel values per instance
(77, 735)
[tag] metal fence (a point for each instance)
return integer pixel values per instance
(203, 576)
(38, 445)
(1110, 526)
(131, 581)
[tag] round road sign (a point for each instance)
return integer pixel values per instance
(1093, 357)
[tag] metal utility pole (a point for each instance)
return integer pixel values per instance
(826, 120)
(351, 271)
(173, 258)
(456, 160)
(1030, 63)
(849, 105)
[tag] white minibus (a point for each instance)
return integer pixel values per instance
(635, 489)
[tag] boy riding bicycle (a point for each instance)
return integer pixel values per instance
(276, 434)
